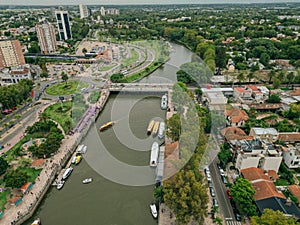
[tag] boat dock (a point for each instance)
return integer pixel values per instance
(60, 175)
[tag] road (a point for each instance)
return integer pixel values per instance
(224, 204)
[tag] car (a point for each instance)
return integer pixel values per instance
(224, 179)
(219, 166)
(212, 192)
(215, 202)
(206, 169)
(210, 185)
(222, 172)
(228, 194)
(237, 216)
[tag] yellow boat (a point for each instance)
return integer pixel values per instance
(155, 128)
(150, 126)
(78, 159)
(105, 126)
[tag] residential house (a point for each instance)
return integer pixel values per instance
(236, 117)
(266, 195)
(295, 190)
(256, 94)
(241, 94)
(233, 134)
(289, 137)
(257, 153)
(291, 156)
(269, 134)
(266, 107)
(215, 100)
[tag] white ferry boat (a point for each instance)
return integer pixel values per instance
(67, 173)
(161, 130)
(154, 154)
(164, 102)
(153, 210)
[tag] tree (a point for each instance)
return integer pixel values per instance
(44, 75)
(221, 57)
(225, 154)
(264, 59)
(15, 178)
(271, 217)
(290, 77)
(276, 83)
(241, 77)
(186, 196)
(174, 127)
(84, 50)
(274, 98)
(159, 194)
(250, 76)
(271, 74)
(64, 77)
(3, 166)
(242, 193)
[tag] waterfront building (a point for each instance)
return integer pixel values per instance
(11, 53)
(46, 35)
(63, 24)
(84, 11)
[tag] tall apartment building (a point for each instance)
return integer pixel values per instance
(102, 11)
(46, 36)
(63, 24)
(11, 53)
(84, 11)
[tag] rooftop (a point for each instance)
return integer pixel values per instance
(261, 131)
(289, 136)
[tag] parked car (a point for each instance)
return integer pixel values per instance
(237, 216)
(212, 192)
(222, 172)
(228, 194)
(224, 179)
(215, 202)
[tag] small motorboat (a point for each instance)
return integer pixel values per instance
(67, 173)
(78, 159)
(60, 184)
(87, 180)
(153, 210)
(84, 149)
(74, 160)
(36, 222)
(105, 126)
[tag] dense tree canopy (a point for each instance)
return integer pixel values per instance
(271, 217)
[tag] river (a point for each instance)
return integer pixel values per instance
(119, 197)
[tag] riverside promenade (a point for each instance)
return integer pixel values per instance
(52, 166)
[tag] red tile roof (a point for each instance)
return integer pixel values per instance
(265, 189)
(295, 92)
(295, 190)
(289, 136)
(235, 133)
(236, 115)
(253, 174)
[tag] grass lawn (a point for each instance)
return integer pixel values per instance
(31, 172)
(134, 56)
(3, 199)
(66, 88)
(60, 112)
(108, 67)
(94, 97)
(67, 111)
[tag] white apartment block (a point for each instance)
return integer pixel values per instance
(257, 154)
(291, 156)
(84, 11)
(14, 75)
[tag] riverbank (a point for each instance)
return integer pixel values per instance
(52, 166)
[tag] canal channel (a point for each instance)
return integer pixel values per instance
(111, 200)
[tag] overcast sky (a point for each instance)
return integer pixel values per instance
(124, 2)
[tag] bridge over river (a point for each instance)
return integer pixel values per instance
(140, 87)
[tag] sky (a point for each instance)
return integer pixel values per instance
(126, 2)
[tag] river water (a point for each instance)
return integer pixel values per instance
(119, 197)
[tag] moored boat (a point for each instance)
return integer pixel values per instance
(73, 160)
(60, 184)
(153, 210)
(87, 180)
(164, 102)
(84, 149)
(36, 222)
(150, 126)
(78, 159)
(79, 149)
(154, 154)
(155, 128)
(105, 126)
(161, 130)
(67, 173)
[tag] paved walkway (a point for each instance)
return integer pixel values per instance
(51, 168)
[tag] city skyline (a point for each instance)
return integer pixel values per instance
(139, 2)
